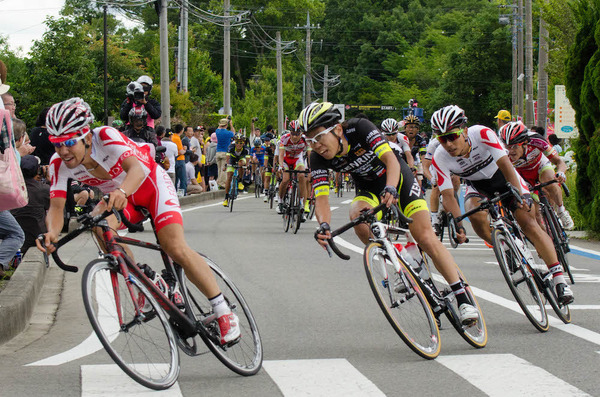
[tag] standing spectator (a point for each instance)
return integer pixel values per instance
(180, 182)
(211, 159)
(32, 217)
(150, 104)
(171, 153)
(193, 187)
(269, 134)
(555, 142)
(224, 136)
(9, 104)
(503, 117)
(44, 149)
(185, 141)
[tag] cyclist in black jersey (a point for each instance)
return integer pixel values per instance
(357, 147)
(237, 154)
(269, 158)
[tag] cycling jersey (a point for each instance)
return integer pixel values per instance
(109, 149)
(431, 148)
(269, 157)
(479, 168)
(534, 150)
(259, 153)
(532, 175)
(366, 145)
(419, 147)
(292, 150)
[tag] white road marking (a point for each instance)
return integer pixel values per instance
(91, 344)
(110, 380)
(347, 201)
(329, 377)
(212, 205)
(507, 375)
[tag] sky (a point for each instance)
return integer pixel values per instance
(23, 21)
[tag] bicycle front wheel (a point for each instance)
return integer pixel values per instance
(141, 342)
(245, 357)
(403, 302)
(562, 311)
(298, 212)
(520, 280)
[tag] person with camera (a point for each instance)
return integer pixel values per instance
(224, 136)
(138, 94)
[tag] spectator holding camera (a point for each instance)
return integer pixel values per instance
(138, 94)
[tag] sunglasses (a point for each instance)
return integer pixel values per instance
(320, 135)
(450, 137)
(69, 142)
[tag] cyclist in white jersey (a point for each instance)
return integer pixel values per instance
(107, 159)
(477, 155)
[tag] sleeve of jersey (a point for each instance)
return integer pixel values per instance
(492, 142)
(542, 144)
(58, 181)
(443, 175)
(319, 175)
(114, 142)
(378, 144)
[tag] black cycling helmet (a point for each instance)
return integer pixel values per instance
(318, 115)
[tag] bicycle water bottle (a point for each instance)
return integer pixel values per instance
(415, 254)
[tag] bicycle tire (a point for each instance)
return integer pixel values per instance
(246, 356)
(412, 319)
(147, 349)
(232, 193)
(528, 295)
(549, 289)
(286, 213)
(311, 205)
(298, 211)
(271, 199)
(556, 232)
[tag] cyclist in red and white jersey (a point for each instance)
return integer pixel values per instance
(107, 159)
(292, 150)
(477, 155)
(534, 157)
(398, 141)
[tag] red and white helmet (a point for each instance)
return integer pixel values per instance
(447, 118)
(389, 126)
(68, 118)
(513, 133)
(294, 126)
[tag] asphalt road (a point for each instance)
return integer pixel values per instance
(323, 333)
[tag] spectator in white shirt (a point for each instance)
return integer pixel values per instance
(193, 187)
(171, 152)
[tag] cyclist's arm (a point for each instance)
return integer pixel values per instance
(323, 214)
(134, 178)
(392, 174)
(281, 155)
(559, 163)
(54, 223)
(426, 164)
(410, 160)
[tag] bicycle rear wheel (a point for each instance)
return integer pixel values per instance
(407, 311)
(298, 212)
(287, 212)
(520, 280)
(245, 357)
(143, 345)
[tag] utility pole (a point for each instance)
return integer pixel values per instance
(184, 45)
(530, 120)
(325, 83)
(542, 97)
(105, 66)
(515, 61)
(165, 96)
(306, 98)
(280, 121)
(226, 61)
(520, 57)
(304, 104)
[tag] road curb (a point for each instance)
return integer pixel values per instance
(20, 297)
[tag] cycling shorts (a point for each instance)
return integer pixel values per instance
(410, 198)
(293, 163)
(157, 194)
(486, 188)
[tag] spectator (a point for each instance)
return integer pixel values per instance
(555, 142)
(171, 153)
(32, 217)
(180, 182)
(224, 136)
(211, 159)
(503, 117)
(193, 187)
(9, 103)
(185, 141)
(22, 142)
(44, 149)
(151, 105)
(269, 134)
(539, 130)
(137, 130)
(118, 124)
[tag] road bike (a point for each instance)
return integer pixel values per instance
(292, 209)
(140, 325)
(233, 189)
(553, 226)
(405, 291)
(272, 190)
(530, 283)
(258, 182)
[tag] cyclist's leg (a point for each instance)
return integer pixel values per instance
(228, 180)
(284, 182)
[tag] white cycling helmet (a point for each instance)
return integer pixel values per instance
(447, 118)
(389, 126)
(145, 80)
(65, 119)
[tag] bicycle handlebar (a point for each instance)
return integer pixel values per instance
(487, 203)
(539, 186)
(362, 218)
